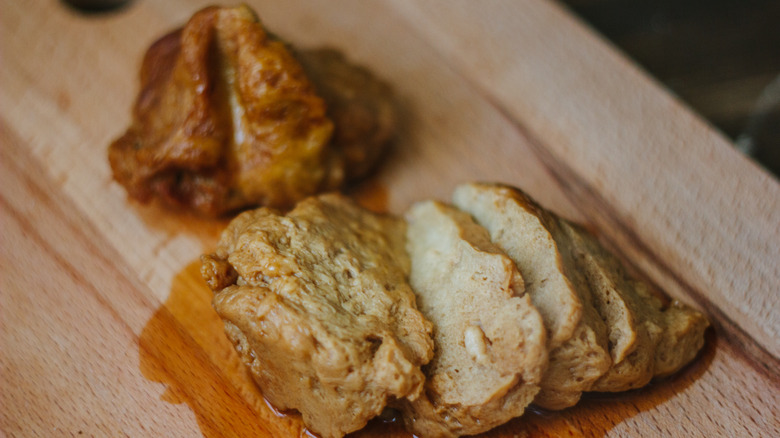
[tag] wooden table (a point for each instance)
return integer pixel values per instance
(106, 325)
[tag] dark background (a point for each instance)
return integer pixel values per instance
(719, 56)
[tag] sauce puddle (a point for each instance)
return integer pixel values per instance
(183, 345)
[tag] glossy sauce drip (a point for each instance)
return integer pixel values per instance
(371, 194)
(184, 346)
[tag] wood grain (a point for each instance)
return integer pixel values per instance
(106, 326)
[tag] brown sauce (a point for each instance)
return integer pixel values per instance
(371, 194)
(174, 222)
(184, 347)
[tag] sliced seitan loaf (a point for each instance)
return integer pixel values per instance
(318, 306)
(534, 240)
(490, 340)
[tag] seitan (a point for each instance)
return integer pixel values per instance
(490, 340)
(317, 304)
(533, 238)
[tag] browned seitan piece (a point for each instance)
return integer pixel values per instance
(490, 340)
(361, 106)
(227, 118)
(318, 306)
(533, 238)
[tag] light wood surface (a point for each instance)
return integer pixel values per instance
(106, 327)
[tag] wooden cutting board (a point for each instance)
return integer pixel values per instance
(106, 324)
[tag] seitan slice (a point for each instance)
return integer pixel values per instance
(318, 306)
(633, 337)
(490, 340)
(533, 238)
(682, 331)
